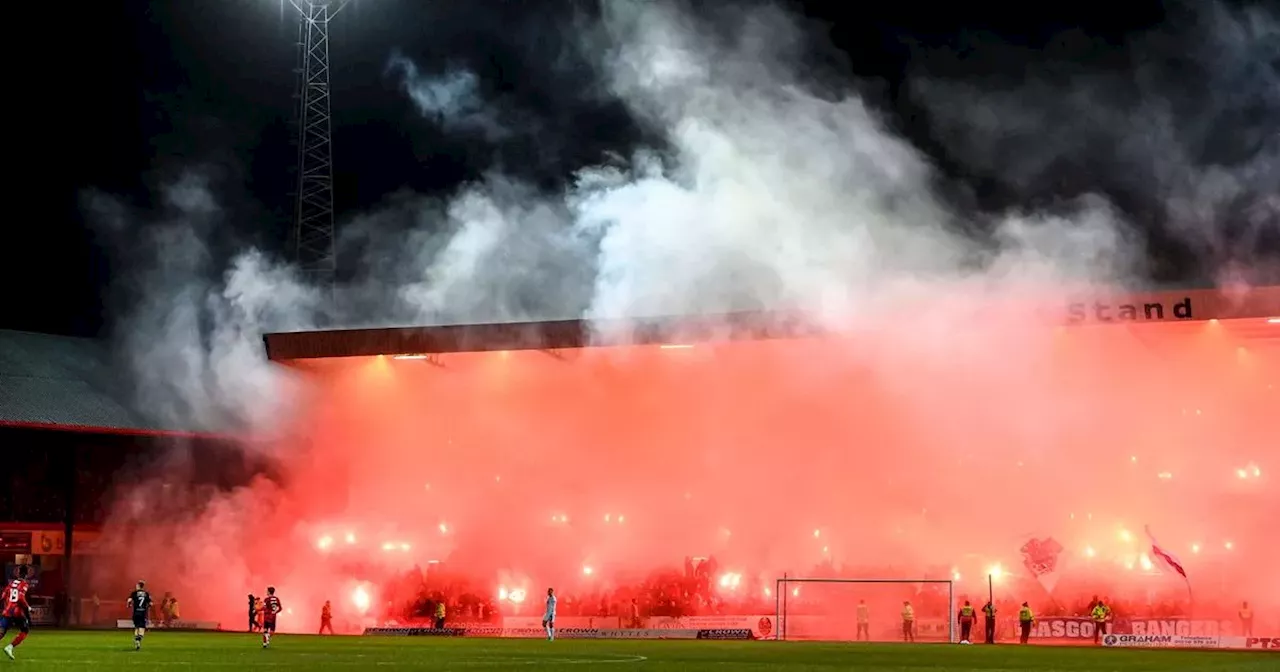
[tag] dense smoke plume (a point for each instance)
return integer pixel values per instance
(1190, 133)
(764, 192)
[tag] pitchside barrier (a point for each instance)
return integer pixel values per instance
(562, 633)
(1193, 642)
(1071, 628)
(1145, 633)
(126, 624)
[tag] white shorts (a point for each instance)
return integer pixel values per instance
(549, 619)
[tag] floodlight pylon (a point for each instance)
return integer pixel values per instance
(314, 234)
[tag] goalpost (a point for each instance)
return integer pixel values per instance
(867, 610)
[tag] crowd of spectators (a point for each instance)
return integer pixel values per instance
(700, 589)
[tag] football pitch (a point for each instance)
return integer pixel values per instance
(193, 651)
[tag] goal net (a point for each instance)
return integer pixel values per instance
(868, 610)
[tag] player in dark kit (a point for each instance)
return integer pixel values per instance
(140, 601)
(270, 609)
(15, 613)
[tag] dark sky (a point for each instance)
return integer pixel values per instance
(121, 93)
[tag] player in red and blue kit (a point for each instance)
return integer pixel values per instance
(270, 609)
(15, 613)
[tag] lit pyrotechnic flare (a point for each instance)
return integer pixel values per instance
(514, 595)
(729, 581)
(995, 572)
(351, 538)
(360, 599)
(444, 529)
(1249, 471)
(324, 543)
(588, 570)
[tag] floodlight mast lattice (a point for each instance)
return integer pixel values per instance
(313, 224)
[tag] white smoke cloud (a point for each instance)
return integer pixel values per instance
(191, 333)
(768, 194)
(1192, 131)
(452, 99)
(509, 256)
(781, 196)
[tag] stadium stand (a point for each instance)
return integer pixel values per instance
(61, 381)
(67, 433)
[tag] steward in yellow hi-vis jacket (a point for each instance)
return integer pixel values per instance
(1025, 619)
(1100, 614)
(989, 621)
(966, 618)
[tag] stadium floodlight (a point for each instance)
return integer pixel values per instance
(832, 609)
(313, 234)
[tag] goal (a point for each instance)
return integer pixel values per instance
(867, 610)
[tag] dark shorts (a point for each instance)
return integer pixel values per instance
(268, 625)
(139, 619)
(19, 623)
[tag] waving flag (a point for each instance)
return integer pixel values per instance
(1040, 557)
(1164, 555)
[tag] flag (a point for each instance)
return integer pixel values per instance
(1164, 555)
(1040, 557)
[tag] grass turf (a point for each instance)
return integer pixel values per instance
(114, 651)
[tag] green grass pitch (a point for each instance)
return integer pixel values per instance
(194, 651)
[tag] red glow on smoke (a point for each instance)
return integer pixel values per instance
(520, 470)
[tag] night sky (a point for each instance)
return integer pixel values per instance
(123, 93)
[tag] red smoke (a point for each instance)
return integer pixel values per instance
(907, 450)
